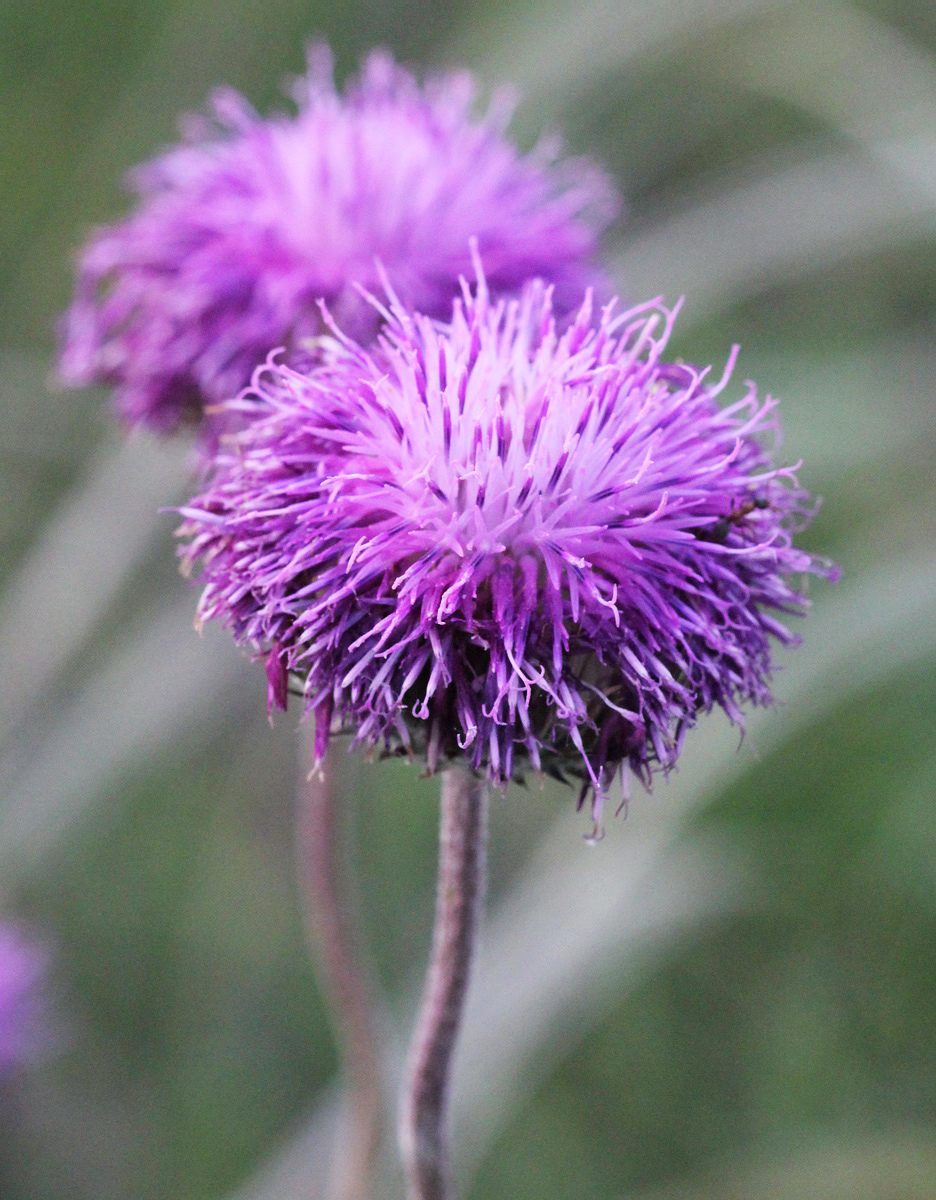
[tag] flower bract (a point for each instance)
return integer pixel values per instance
(533, 545)
(240, 230)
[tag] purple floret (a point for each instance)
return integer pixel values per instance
(23, 965)
(241, 228)
(498, 540)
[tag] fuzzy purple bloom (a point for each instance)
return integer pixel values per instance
(491, 538)
(242, 228)
(22, 967)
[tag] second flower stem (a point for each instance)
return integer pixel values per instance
(331, 903)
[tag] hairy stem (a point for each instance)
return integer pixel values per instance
(462, 845)
(330, 896)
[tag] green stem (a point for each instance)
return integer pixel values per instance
(461, 879)
(327, 881)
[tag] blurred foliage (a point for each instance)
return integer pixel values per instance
(777, 163)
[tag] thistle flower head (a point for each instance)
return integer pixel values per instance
(22, 966)
(243, 227)
(491, 538)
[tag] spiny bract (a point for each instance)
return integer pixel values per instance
(242, 228)
(491, 538)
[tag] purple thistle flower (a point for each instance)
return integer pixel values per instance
(22, 967)
(245, 225)
(492, 539)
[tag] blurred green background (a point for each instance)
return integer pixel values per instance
(732, 997)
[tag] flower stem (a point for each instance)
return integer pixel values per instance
(327, 882)
(461, 876)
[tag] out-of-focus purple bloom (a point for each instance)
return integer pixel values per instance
(494, 539)
(245, 225)
(22, 967)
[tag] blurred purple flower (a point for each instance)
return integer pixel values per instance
(494, 539)
(245, 225)
(22, 966)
